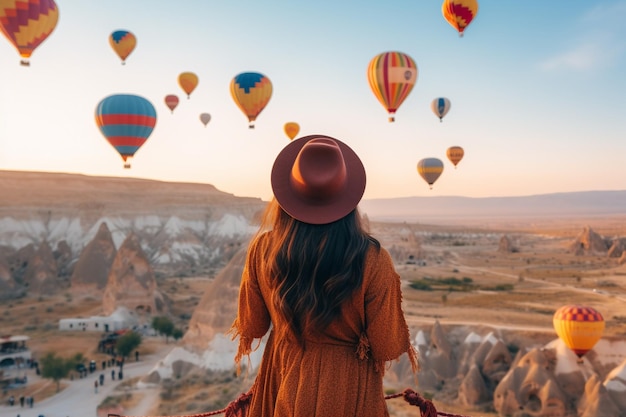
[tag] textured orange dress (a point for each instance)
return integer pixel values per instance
(339, 372)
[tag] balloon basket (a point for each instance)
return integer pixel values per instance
(25, 63)
(126, 166)
(250, 126)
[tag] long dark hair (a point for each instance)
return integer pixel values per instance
(316, 267)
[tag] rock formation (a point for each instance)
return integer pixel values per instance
(473, 390)
(91, 271)
(41, 275)
(596, 401)
(131, 282)
(617, 249)
(218, 307)
(589, 242)
(63, 257)
(506, 245)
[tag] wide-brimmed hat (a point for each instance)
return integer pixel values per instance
(318, 179)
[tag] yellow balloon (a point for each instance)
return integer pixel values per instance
(292, 129)
(579, 327)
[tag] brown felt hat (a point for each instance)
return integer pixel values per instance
(318, 179)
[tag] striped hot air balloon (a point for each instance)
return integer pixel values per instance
(440, 106)
(251, 92)
(579, 327)
(27, 23)
(126, 121)
(123, 43)
(391, 76)
(459, 13)
(430, 169)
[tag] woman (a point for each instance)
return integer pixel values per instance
(327, 289)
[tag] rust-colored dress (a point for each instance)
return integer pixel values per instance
(339, 373)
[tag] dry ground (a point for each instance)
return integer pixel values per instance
(542, 275)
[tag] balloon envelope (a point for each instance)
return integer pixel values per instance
(205, 118)
(123, 43)
(455, 154)
(430, 169)
(251, 91)
(579, 327)
(391, 76)
(188, 81)
(292, 129)
(126, 121)
(440, 106)
(27, 23)
(459, 13)
(171, 101)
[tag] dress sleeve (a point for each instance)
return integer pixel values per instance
(253, 318)
(386, 328)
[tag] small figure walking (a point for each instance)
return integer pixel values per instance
(95, 385)
(113, 374)
(136, 356)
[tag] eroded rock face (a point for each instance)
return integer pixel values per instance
(473, 390)
(41, 273)
(596, 401)
(506, 245)
(218, 307)
(131, 282)
(91, 272)
(589, 241)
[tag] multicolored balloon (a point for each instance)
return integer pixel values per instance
(171, 101)
(205, 118)
(455, 154)
(27, 23)
(430, 169)
(188, 81)
(440, 106)
(391, 76)
(251, 92)
(123, 43)
(579, 327)
(459, 13)
(291, 129)
(126, 121)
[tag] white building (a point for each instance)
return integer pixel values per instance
(118, 320)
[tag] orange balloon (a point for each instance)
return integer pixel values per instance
(188, 81)
(292, 129)
(455, 154)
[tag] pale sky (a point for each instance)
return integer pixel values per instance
(538, 92)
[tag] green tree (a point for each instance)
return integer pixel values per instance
(128, 342)
(164, 326)
(56, 368)
(177, 334)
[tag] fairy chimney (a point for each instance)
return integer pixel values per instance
(616, 250)
(588, 241)
(473, 390)
(506, 246)
(41, 272)
(218, 307)
(131, 283)
(92, 269)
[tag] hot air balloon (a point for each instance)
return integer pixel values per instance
(188, 81)
(459, 13)
(391, 76)
(205, 118)
(171, 101)
(123, 42)
(292, 129)
(440, 106)
(430, 169)
(126, 121)
(455, 154)
(27, 23)
(251, 92)
(579, 327)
